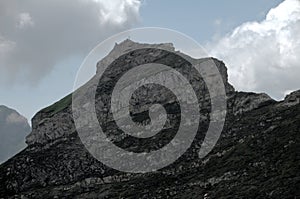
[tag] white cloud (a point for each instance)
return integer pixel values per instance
(25, 20)
(264, 56)
(37, 35)
(5, 45)
(117, 11)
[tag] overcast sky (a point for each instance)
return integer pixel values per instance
(43, 43)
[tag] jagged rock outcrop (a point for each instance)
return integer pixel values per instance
(292, 99)
(13, 130)
(248, 101)
(51, 123)
(256, 156)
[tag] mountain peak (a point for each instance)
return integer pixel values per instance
(13, 129)
(258, 133)
(293, 98)
(128, 45)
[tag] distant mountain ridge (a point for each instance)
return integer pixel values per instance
(13, 130)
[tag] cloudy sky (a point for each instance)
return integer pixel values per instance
(43, 43)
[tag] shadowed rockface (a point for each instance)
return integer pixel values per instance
(256, 156)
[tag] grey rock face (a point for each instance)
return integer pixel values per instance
(248, 101)
(13, 129)
(48, 127)
(292, 99)
(127, 46)
(256, 156)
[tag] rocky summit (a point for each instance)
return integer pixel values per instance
(256, 156)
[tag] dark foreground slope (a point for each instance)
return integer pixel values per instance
(257, 155)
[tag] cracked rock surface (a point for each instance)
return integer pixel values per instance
(257, 155)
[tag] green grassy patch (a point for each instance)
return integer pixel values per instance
(59, 106)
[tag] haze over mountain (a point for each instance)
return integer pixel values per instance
(13, 130)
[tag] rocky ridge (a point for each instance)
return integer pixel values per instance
(256, 155)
